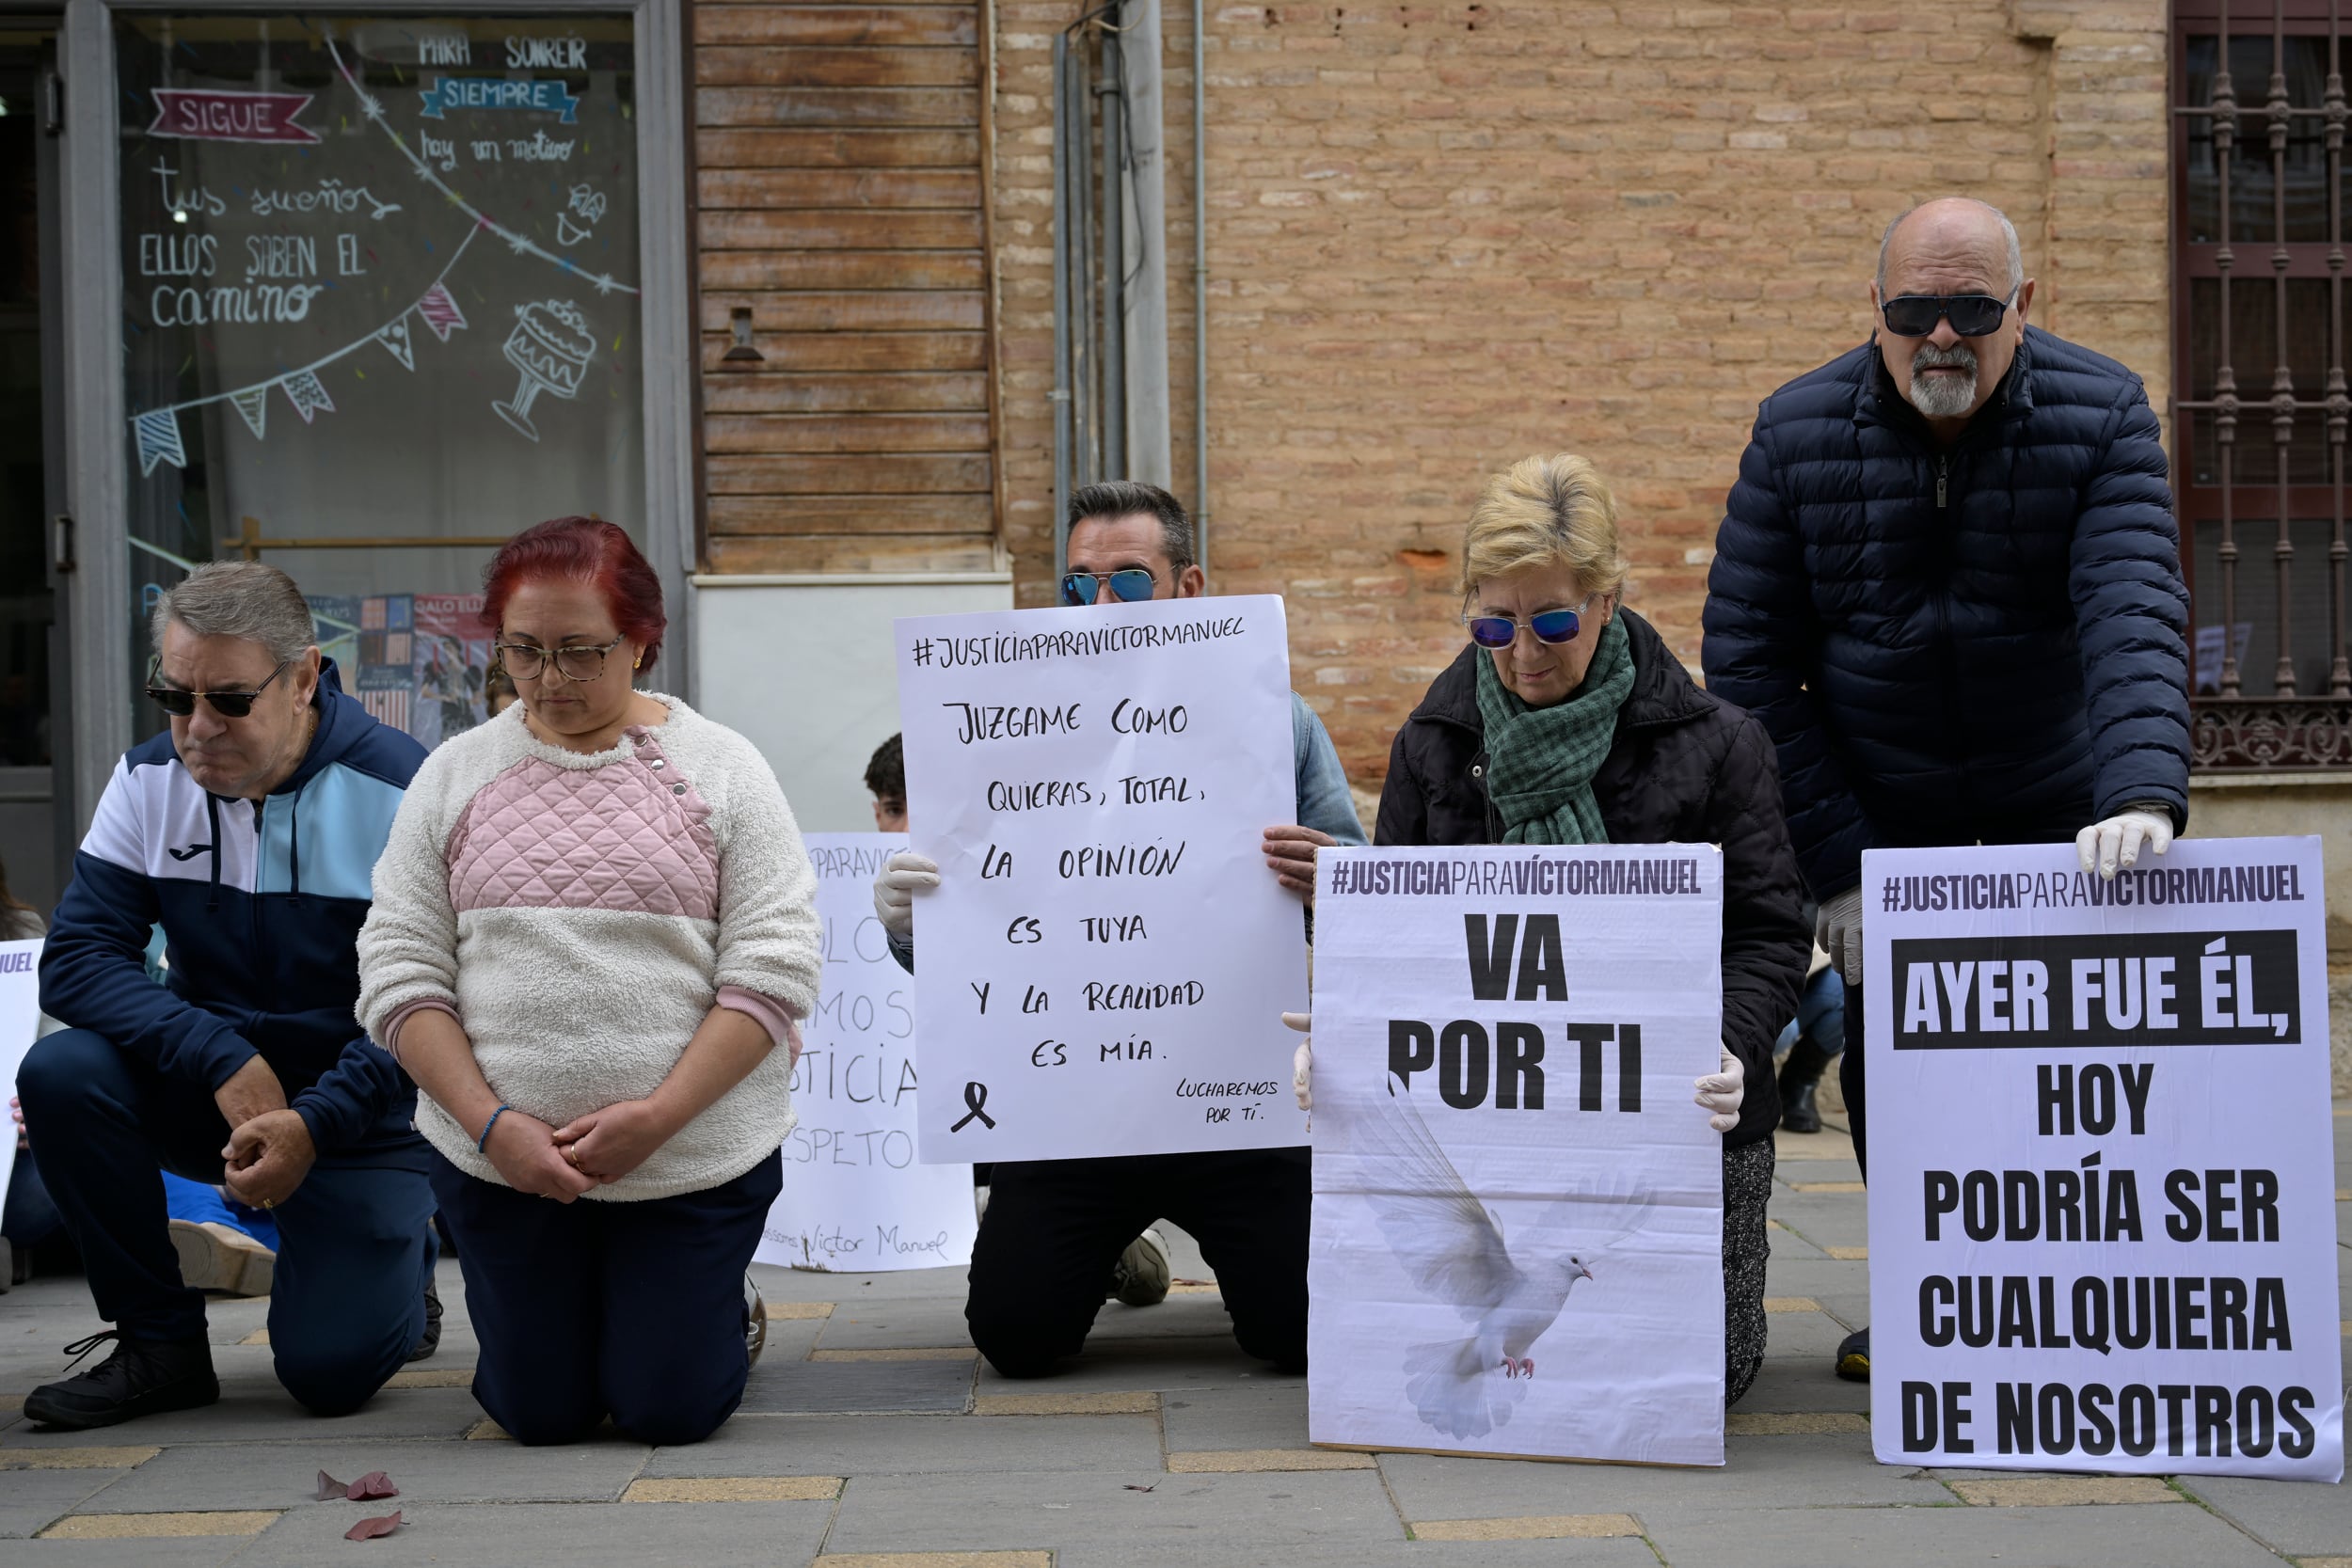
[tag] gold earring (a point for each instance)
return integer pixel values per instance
(641, 662)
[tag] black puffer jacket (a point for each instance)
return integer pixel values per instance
(1684, 768)
(1982, 642)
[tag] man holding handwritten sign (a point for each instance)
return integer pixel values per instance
(1093, 785)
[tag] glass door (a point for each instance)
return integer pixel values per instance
(33, 845)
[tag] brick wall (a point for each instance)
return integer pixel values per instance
(1442, 237)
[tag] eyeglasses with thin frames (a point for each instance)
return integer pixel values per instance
(180, 702)
(579, 662)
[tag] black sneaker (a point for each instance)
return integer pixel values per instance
(1853, 1356)
(143, 1377)
(432, 1340)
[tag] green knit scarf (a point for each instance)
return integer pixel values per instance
(1540, 762)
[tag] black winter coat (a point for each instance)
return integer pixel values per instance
(1684, 768)
(1983, 643)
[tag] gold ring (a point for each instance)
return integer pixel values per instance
(571, 1152)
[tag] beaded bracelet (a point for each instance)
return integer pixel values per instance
(483, 1143)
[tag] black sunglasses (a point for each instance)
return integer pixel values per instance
(1915, 315)
(1553, 626)
(178, 702)
(1129, 585)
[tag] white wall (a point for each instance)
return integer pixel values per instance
(805, 668)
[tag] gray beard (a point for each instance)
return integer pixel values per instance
(1941, 397)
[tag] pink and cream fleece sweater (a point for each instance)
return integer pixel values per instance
(581, 915)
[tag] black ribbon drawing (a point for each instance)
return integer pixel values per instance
(975, 1096)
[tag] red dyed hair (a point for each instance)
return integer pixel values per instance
(582, 549)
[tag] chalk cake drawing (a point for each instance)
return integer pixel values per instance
(552, 346)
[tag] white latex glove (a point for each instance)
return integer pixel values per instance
(2115, 842)
(1302, 1061)
(1720, 1092)
(895, 889)
(1838, 931)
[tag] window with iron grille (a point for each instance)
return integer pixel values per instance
(2263, 411)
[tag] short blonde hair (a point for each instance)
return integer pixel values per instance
(1542, 511)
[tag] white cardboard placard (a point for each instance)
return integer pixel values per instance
(20, 1022)
(1536, 1183)
(2103, 1230)
(1103, 967)
(855, 1199)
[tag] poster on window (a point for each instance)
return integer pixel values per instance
(855, 1199)
(1518, 1230)
(420, 662)
(2103, 1228)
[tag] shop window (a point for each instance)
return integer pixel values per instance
(381, 297)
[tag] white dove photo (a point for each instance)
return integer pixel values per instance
(1492, 1275)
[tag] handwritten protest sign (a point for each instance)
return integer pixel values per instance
(2103, 1230)
(1103, 966)
(1517, 1213)
(20, 1020)
(856, 1199)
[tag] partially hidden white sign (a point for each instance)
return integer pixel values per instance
(856, 1199)
(20, 1022)
(1517, 1243)
(1103, 967)
(2103, 1228)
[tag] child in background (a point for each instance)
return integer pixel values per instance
(886, 781)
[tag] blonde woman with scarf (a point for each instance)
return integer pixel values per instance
(1566, 720)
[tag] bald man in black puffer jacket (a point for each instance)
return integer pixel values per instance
(1948, 583)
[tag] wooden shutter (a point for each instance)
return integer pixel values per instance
(840, 155)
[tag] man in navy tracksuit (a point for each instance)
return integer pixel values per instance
(249, 833)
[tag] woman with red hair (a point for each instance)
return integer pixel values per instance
(594, 925)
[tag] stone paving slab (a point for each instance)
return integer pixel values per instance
(894, 1324)
(2142, 1537)
(1164, 1364)
(858, 1385)
(553, 1535)
(1271, 1415)
(1808, 1339)
(1328, 1510)
(30, 1500)
(1825, 1219)
(913, 1445)
(252, 1413)
(2298, 1518)
(186, 1552)
(1802, 1382)
(1820, 1471)
(1796, 1269)
(1206, 1550)
(284, 1475)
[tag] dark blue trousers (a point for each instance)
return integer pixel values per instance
(355, 1245)
(594, 1308)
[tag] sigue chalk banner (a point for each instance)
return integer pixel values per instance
(1103, 967)
(1518, 1212)
(2103, 1230)
(855, 1199)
